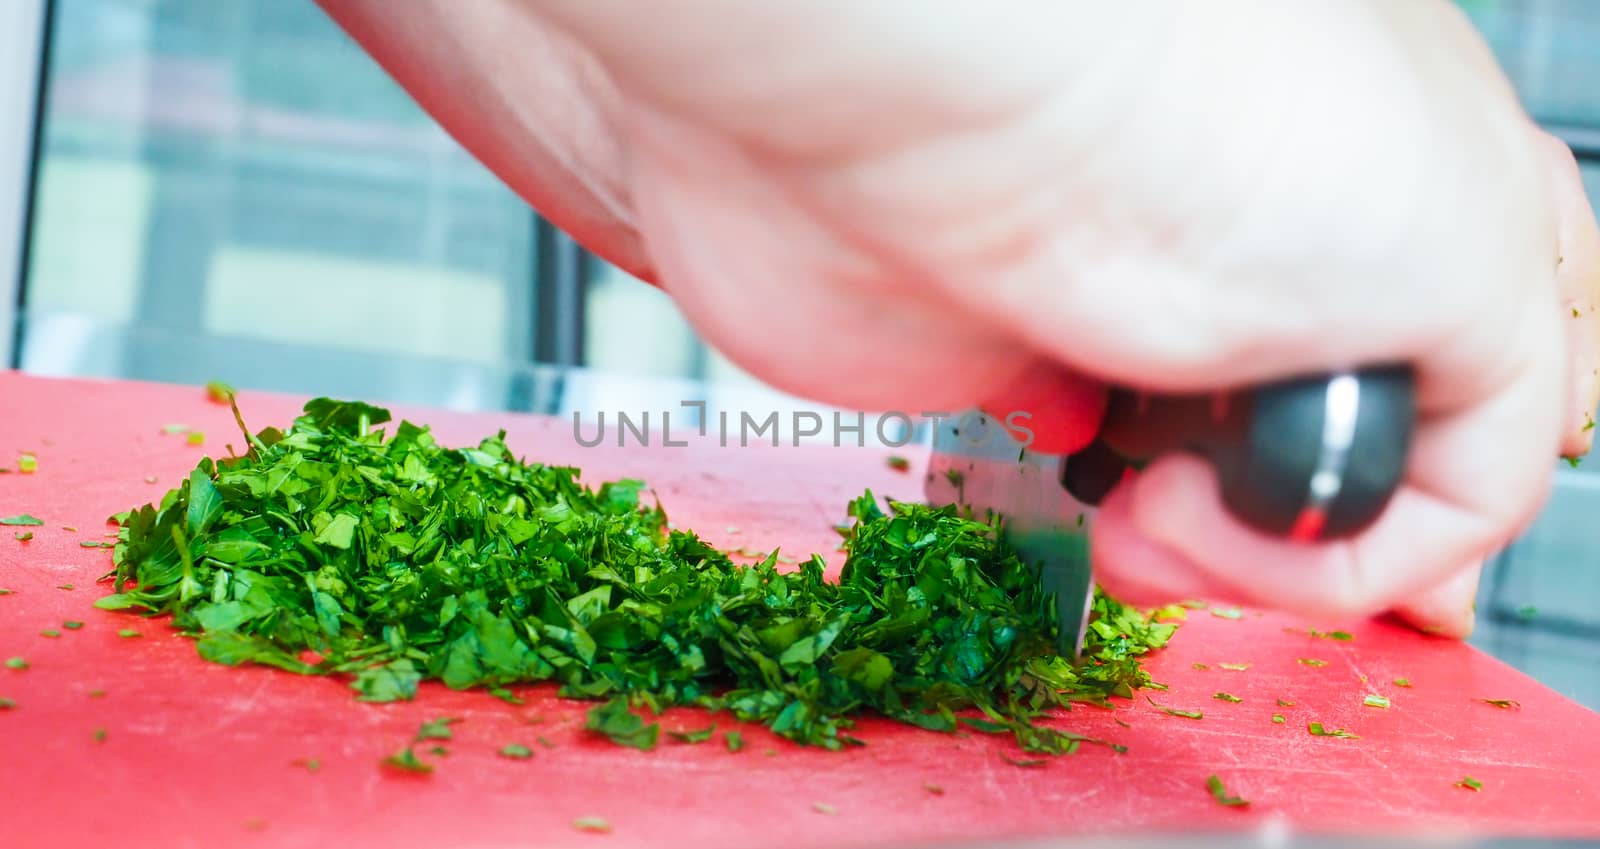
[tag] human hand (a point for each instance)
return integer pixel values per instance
(926, 207)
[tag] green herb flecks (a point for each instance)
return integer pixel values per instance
(1221, 794)
(899, 463)
(1317, 729)
(436, 729)
(23, 536)
(1226, 697)
(1402, 682)
(1234, 667)
(1469, 783)
(735, 741)
(1377, 701)
(516, 751)
(1186, 714)
(591, 824)
(1503, 704)
(21, 520)
(7, 704)
(16, 663)
(391, 559)
(406, 760)
(1227, 613)
(1278, 718)
(1311, 661)
(50, 632)
(622, 726)
(27, 463)
(308, 764)
(72, 625)
(699, 736)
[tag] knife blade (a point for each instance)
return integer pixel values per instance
(1308, 459)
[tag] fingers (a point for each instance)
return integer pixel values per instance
(1446, 610)
(1578, 277)
(1474, 479)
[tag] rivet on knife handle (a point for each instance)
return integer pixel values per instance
(1311, 458)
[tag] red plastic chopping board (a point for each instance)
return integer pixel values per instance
(195, 754)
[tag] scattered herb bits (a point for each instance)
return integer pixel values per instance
(1376, 701)
(621, 726)
(1503, 704)
(824, 808)
(591, 824)
(1402, 682)
(1470, 783)
(899, 463)
(1221, 794)
(308, 764)
(700, 736)
(406, 760)
(1226, 697)
(1278, 718)
(72, 625)
(734, 740)
(1317, 730)
(1186, 714)
(50, 632)
(7, 704)
(1227, 612)
(21, 520)
(1312, 662)
(27, 463)
(68, 587)
(516, 751)
(23, 536)
(436, 729)
(128, 633)
(195, 437)
(1234, 667)
(395, 559)
(1200, 667)
(16, 663)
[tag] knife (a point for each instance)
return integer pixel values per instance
(1309, 459)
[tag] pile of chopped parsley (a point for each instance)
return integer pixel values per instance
(333, 548)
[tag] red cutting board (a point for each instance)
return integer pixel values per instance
(196, 754)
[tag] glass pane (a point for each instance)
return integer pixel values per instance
(1551, 51)
(238, 170)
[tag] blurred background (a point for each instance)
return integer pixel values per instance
(231, 189)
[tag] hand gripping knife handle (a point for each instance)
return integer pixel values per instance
(1308, 459)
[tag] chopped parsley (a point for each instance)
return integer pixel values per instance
(516, 751)
(1221, 794)
(21, 520)
(16, 663)
(1503, 704)
(591, 824)
(1318, 730)
(1469, 783)
(1227, 612)
(1226, 697)
(1374, 700)
(23, 536)
(1234, 667)
(394, 559)
(1278, 718)
(50, 632)
(1402, 682)
(406, 760)
(1311, 661)
(700, 736)
(1186, 714)
(27, 463)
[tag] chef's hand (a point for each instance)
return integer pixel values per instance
(925, 206)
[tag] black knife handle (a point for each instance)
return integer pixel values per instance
(1311, 458)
